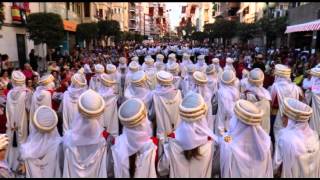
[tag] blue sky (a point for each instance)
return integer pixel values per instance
(175, 13)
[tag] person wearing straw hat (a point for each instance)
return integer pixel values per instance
(111, 70)
(227, 96)
(190, 153)
(166, 100)
(212, 75)
(134, 153)
(282, 87)
(150, 70)
(17, 107)
(201, 64)
(159, 65)
(42, 96)
(85, 149)
(257, 94)
(122, 70)
(171, 59)
(245, 150)
(70, 99)
(315, 99)
(216, 63)
(201, 87)
(173, 68)
(42, 152)
(5, 170)
(187, 82)
(139, 88)
(183, 65)
(229, 64)
(244, 81)
(95, 79)
(133, 67)
(298, 148)
(108, 91)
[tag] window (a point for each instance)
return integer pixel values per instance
(119, 10)
(277, 14)
(100, 13)
(68, 6)
(86, 9)
(281, 6)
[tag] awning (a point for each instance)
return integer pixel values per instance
(69, 26)
(310, 26)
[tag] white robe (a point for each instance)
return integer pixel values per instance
(70, 106)
(281, 89)
(95, 82)
(298, 150)
(187, 84)
(248, 154)
(315, 102)
(43, 155)
(151, 73)
(183, 67)
(201, 66)
(177, 81)
(18, 102)
(109, 120)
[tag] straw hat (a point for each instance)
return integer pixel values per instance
(229, 60)
(160, 57)
(172, 56)
(98, 68)
(211, 69)
(296, 110)
(149, 61)
(111, 68)
(200, 78)
(79, 79)
(201, 57)
(46, 79)
(122, 60)
(282, 70)
(81, 71)
(45, 119)
(138, 78)
(132, 113)
(135, 58)
(164, 78)
(227, 77)
(248, 113)
(4, 141)
(91, 104)
(173, 67)
(18, 78)
(134, 66)
(215, 60)
(107, 80)
(192, 107)
(256, 76)
(315, 72)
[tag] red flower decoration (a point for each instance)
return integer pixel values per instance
(105, 134)
(172, 135)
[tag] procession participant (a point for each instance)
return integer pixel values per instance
(171, 59)
(95, 80)
(166, 100)
(160, 66)
(229, 64)
(85, 149)
(282, 87)
(42, 96)
(111, 70)
(151, 72)
(306, 86)
(227, 96)
(88, 72)
(109, 119)
(70, 99)
(244, 81)
(246, 146)
(201, 87)
(17, 107)
(138, 88)
(315, 99)
(134, 152)
(216, 63)
(133, 67)
(183, 65)
(257, 94)
(122, 70)
(5, 171)
(187, 82)
(42, 152)
(174, 70)
(212, 78)
(201, 64)
(297, 151)
(190, 153)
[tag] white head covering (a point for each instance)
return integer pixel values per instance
(135, 58)
(18, 78)
(47, 80)
(193, 132)
(255, 84)
(4, 141)
(229, 64)
(110, 69)
(159, 58)
(99, 68)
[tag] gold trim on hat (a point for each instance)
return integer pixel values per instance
(107, 82)
(315, 73)
(41, 128)
(136, 119)
(47, 81)
(228, 82)
(296, 114)
(112, 70)
(88, 113)
(256, 81)
(197, 79)
(164, 81)
(74, 80)
(193, 114)
(140, 81)
(245, 116)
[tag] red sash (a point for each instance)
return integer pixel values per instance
(55, 105)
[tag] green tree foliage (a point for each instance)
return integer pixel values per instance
(87, 31)
(199, 36)
(108, 28)
(247, 31)
(45, 28)
(221, 29)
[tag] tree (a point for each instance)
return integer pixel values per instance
(246, 31)
(2, 17)
(87, 31)
(222, 28)
(108, 28)
(45, 28)
(199, 36)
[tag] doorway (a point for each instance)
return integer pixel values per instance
(21, 45)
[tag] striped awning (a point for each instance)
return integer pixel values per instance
(310, 26)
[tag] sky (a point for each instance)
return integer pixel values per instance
(175, 13)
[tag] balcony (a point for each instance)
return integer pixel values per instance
(132, 17)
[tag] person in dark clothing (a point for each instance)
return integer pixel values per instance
(33, 60)
(259, 63)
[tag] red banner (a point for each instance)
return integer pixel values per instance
(151, 11)
(160, 11)
(184, 9)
